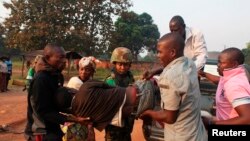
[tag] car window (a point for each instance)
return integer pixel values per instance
(211, 67)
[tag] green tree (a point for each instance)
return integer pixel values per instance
(150, 57)
(136, 32)
(2, 48)
(246, 52)
(80, 25)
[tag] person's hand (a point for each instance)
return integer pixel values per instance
(81, 120)
(207, 119)
(145, 115)
(145, 118)
(149, 74)
(146, 75)
(201, 73)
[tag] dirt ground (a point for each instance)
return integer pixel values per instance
(13, 104)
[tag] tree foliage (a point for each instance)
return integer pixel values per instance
(1, 36)
(136, 32)
(80, 25)
(150, 57)
(246, 52)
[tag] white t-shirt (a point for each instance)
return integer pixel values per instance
(75, 82)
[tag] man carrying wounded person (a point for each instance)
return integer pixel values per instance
(102, 103)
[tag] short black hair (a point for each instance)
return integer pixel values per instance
(178, 42)
(51, 48)
(178, 19)
(235, 54)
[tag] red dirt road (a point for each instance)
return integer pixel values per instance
(13, 113)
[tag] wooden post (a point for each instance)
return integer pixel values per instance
(23, 58)
(69, 64)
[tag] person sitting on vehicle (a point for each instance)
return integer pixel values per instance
(233, 91)
(195, 45)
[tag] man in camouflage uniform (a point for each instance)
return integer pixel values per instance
(120, 76)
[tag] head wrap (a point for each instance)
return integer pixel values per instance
(86, 61)
(37, 58)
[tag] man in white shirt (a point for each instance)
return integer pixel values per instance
(195, 45)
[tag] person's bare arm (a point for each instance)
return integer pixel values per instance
(213, 78)
(166, 116)
(149, 74)
(242, 119)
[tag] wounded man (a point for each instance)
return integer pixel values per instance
(105, 104)
(102, 103)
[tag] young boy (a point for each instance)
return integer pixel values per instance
(120, 76)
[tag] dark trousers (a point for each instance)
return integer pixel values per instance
(3, 82)
(114, 133)
(8, 77)
(45, 137)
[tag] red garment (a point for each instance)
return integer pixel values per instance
(39, 137)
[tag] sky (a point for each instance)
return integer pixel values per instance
(224, 23)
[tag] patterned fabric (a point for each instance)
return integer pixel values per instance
(78, 132)
(121, 54)
(89, 61)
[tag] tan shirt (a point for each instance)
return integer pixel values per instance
(180, 91)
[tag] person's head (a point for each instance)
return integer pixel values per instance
(63, 98)
(230, 58)
(8, 58)
(55, 56)
(122, 59)
(87, 66)
(169, 47)
(177, 25)
(38, 57)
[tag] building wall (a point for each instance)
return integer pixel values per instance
(135, 65)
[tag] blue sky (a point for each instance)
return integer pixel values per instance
(224, 23)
